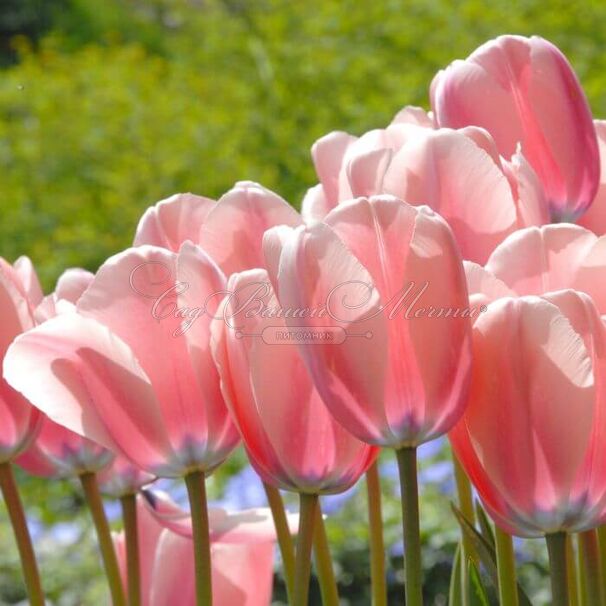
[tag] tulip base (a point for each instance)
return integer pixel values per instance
(22, 536)
(556, 546)
(196, 490)
(407, 465)
(108, 555)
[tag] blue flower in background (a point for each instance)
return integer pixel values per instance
(333, 503)
(243, 491)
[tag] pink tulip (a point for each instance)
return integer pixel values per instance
(291, 439)
(391, 280)
(230, 230)
(19, 294)
(57, 451)
(532, 442)
(242, 564)
(131, 368)
(595, 217)
(524, 91)
(535, 261)
(459, 174)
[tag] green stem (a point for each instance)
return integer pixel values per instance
(108, 555)
(574, 588)
(506, 569)
(131, 533)
(285, 540)
(407, 464)
(377, 545)
(16, 514)
(588, 546)
(196, 491)
(468, 551)
(324, 567)
(307, 519)
(602, 548)
(556, 546)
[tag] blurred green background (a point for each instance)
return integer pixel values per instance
(108, 106)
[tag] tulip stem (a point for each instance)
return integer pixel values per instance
(324, 566)
(590, 572)
(574, 587)
(407, 465)
(465, 497)
(108, 555)
(602, 548)
(556, 546)
(377, 546)
(285, 540)
(131, 533)
(24, 542)
(196, 490)
(506, 568)
(307, 519)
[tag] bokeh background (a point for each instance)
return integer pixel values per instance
(108, 106)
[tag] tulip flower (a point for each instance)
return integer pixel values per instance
(20, 293)
(131, 368)
(293, 443)
(537, 472)
(230, 230)
(595, 217)
(524, 91)
(534, 261)
(242, 546)
(388, 279)
(57, 451)
(459, 174)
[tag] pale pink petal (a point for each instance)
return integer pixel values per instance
(537, 260)
(29, 278)
(233, 231)
(87, 379)
(173, 221)
(449, 172)
(595, 216)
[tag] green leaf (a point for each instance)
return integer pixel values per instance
(454, 595)
(485, 525)
(477, 593)
(486, 552)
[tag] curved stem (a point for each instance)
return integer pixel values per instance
(324, 567)
(407, 465)
(108, 555)
(22, 537)
(590, 572)
(131, 533)
(307, 519)
(506, 568)
(285, 540)
(196, 490)
(556, 546)
(377, 545)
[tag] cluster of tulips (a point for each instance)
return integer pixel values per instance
(434, 283)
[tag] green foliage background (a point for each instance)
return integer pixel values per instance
(107, 107)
